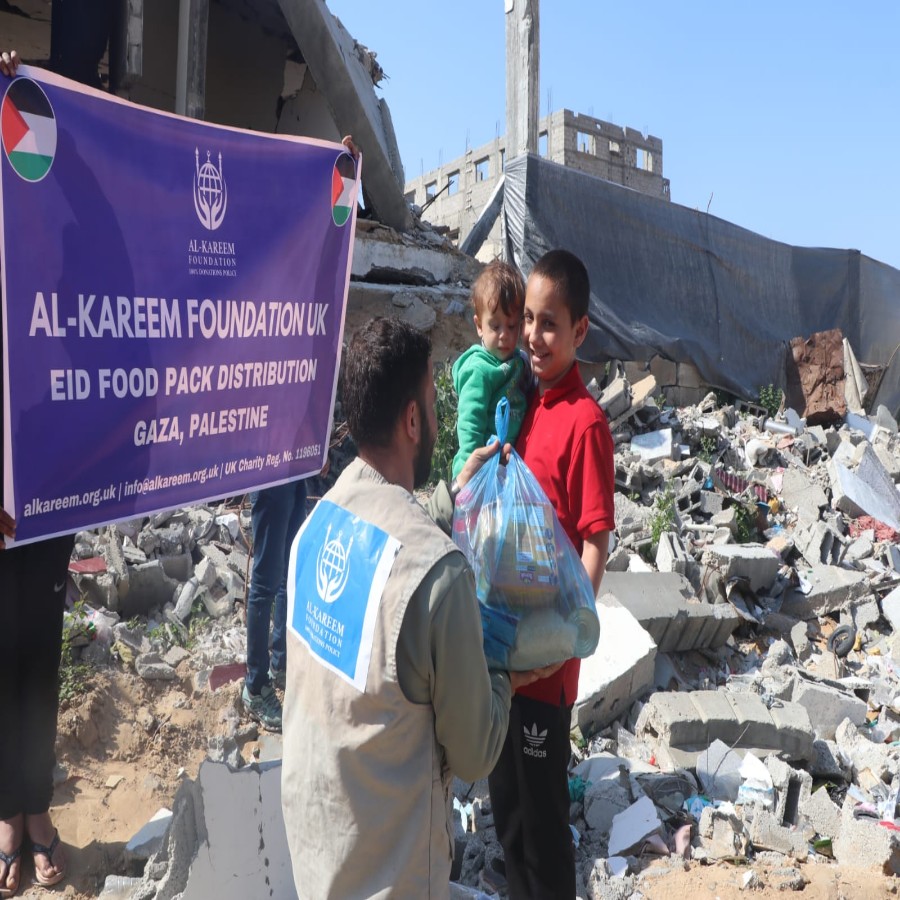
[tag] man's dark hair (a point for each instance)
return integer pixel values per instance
(570, 278)
(384, 369)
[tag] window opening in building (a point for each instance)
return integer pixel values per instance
(585, 143)
(430, 189)
(615, 148)
(644, 160)
(453, 183)
(483, 169)
(542, 143)
(503, 160)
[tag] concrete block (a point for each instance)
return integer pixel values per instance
(662, 602)
(767, 833)
(792, 789)
(754, 562)
(860, 484)
(616, 398)
(826, 761)
(817, 543)
(721, 833)
(860, 754)
(711, 503)
(692, 721)
(800, 640)
(620, 670)
(633, 826)
(228, 864)
(828, 707)
(864, 844)
(832, 587)
(822, 814)
(688, 376)
(152, 667)
(671, 555)
(654, 446)
(802, 494)
(148, 587)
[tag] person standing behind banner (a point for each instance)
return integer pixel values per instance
(32, 594)
(276, 516)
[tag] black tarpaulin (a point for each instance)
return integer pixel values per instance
(694, 288)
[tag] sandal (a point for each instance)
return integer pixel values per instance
(9, 859)
(40, 849)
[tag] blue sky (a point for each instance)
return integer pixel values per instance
(787, 113)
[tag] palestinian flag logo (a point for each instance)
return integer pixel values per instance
(28, 128)
(343, 188)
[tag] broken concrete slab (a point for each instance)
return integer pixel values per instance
(684, 724)
(619, 671)
(605, 798)
(864, 843)
(227, 863)
(148, 587)
(345, 81)
(633, 826)
(671, 555)
(755, 562)
(827, 706)
(861, 485)
(890, 607)
(802, 494)
(830, 588)
(152, 667)
(150, 837)
(662, 603)
(792, 788)
(719, 771)
(822, 814)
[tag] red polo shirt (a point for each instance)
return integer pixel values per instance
(566, 443)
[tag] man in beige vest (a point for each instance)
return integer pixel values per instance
(388, 690)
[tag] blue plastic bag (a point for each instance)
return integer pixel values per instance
(537, 602)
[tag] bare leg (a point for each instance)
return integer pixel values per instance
(10, 841)
(41, 831)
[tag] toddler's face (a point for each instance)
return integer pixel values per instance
(499, 332)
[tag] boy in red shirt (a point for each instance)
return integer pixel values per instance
(566, 443)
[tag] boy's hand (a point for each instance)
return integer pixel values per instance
(347, 141)
(9, 62)
(478, 458)
(523, 679)
(7, 527)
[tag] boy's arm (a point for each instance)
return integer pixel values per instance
(593, 557)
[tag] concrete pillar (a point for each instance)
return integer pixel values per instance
(190, 76)
(523, 59)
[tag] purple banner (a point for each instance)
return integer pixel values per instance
(173, 305)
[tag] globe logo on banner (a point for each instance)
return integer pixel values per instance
(332, 567)
(343, 188)
(210, 192)
(29, 129)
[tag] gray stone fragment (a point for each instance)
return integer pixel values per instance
(828, 707)
(767, 833)
(719, 771)
(151, 667)
(802, 494)
(721, 833)
(822, 814)
(148, 587)
(605, 799)
(801, 642)
(754, 562)
(175, 655)
(792, 788)
(865, 844)
(832, 587)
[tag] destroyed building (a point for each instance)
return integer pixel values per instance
(453, 195)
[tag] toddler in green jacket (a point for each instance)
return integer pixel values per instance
(494, 368)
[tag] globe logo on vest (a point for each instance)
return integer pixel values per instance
(210, 192)
(332, 567)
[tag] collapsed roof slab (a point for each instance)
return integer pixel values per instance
(341, 75)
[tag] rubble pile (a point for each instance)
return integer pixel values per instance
(744, 703)
(141, 581)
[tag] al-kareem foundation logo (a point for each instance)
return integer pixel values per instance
(332, 567)
(210, 191)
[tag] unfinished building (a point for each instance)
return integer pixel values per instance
(455, 193)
